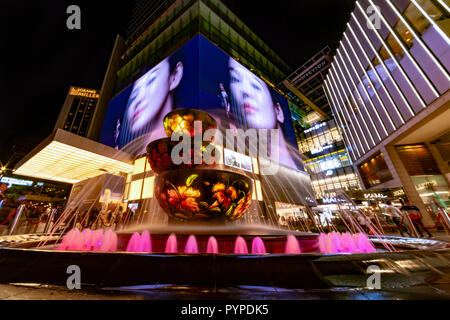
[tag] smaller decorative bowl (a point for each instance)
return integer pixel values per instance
(183, 120)
(196, 194)
(159, 156)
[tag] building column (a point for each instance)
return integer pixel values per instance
(442, 165)
(408, 185)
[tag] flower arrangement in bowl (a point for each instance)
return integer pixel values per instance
(183, 120)
(194, 194)
(159, 156)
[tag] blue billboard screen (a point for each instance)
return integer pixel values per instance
(199, 76)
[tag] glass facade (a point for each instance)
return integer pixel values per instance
(80, 115)
(383, 77)
(328, 163)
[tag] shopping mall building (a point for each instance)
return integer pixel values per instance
(180, 54)
(388, 88)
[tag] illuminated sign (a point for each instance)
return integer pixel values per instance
(237, 160)
(332, 200)
(398, 193)
(308, 74)
(375, 196)
(315, 127)
(330, 164)
(14, 181)
(81, 92)
(426, 185)
(320, 149)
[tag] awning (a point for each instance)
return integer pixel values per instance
(69, 158)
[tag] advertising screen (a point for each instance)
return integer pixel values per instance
(237, 160)
(198, 76)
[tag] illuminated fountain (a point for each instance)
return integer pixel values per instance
(208, 254)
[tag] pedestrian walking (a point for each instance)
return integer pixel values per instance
(416, 217)
(396, 216)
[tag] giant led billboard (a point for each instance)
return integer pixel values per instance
(198, 76)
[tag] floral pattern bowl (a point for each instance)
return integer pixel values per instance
(196, 194)
(159, 156)
(183, 120)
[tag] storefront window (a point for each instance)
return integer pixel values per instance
(375, 171)
(431, 186)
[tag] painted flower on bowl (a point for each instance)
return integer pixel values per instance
(242, 206)
(159, 157)
(224, 195)
(179, 123)
(184, 199)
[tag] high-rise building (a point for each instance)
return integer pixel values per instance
(78, 110)
(307, 81)
(388, 87)
(190, 54)
(319, 138)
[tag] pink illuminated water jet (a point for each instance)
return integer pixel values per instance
(258, 246)
(146, 242)
(191, 245)
(97, 239)
(212, 246)
(240, 246)
(171, 244)
(76, 243)
(292, 246)
(89, 240)
(109, 242)
(335, 242)
(133, 243)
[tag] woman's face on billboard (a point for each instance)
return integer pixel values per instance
(252, 94)
(149, 95)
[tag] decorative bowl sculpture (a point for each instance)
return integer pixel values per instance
(183, 119)
(202, 194)
(159, 156)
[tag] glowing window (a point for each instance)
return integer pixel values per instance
(149, 185)
(255, 165)
(125, 192)
(259, 195)
(139, 165)
(135, 190)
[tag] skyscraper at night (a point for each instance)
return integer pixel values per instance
(78, 110)
(192, 54)
(389, 89)
(319, 138)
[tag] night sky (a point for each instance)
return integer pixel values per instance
(41, 58)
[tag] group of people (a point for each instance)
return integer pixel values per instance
(97, 218)
(399, 215)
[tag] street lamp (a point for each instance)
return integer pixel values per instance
(2, 169)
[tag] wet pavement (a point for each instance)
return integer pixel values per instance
(166, 292)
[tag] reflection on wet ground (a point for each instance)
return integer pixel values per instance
(167, 292)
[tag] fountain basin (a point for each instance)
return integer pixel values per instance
(307, 270)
